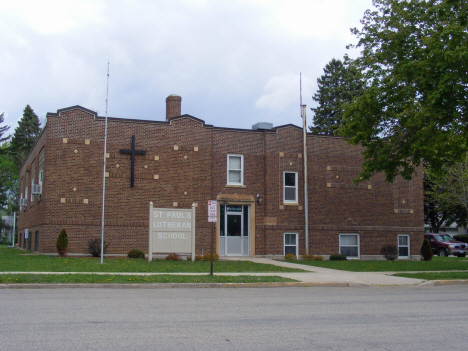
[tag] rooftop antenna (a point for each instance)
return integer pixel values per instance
(104, 170)
(306, 197)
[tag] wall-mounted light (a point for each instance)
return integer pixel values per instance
(259, 200)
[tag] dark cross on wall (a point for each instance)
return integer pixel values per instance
(132, 153)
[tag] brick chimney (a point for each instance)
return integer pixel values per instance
(173, 106)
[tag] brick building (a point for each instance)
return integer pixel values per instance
(256, 175)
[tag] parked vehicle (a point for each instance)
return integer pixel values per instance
(444, 245)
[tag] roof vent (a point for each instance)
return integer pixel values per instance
(262, 125)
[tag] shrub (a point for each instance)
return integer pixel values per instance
(338, 257)
(207, 257)
(173, 257)
(5, 240)
(389, 251)
(94, 247)
(462, 238)
(135, 253)
(312, 257)
(290, 257)
(62, 243)
(426, 251)
(198, 258)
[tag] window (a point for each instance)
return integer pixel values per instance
(290, 243)
(290, 187)
(41, 174)
(235, 166)
(26, 194)
(403, 246)
(32, 187)
(349, 245)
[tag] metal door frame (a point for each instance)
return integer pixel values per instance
(242, 236)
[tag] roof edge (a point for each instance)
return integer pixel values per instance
(76, 107)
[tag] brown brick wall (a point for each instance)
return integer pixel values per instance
(186, 162)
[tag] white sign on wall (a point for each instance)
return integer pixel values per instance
(171, 230)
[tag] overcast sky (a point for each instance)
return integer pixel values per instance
(235, 63)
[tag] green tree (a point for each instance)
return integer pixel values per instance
(25, 136)
(8, 173)
(3, 130)
(454, 185)
(8, 179)
(439, 209)
(414, 60)
(339, 84)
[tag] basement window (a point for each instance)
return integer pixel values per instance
(349, 245)
(403, 246)
(290, 243)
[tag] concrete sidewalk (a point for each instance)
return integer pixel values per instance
(326, 276)
(312, 276)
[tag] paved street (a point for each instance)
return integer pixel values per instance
(297, 318)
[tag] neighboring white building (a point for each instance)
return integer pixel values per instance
(8, 230)
(452, 230)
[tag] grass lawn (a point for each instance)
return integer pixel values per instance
(15, 260)
(436, 264)
(435, 275)
(128, 279)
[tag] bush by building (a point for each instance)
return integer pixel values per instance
(389, 251)
(62, 243)
(94, 247)
(135, 253)
(338, 257)
(426, 251)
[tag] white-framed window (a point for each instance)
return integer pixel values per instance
(349, 245)
(235, 169)
(32, 184)
(290, 244)
(290, 187)
(41, 175)
(403, 246)
(26, 193)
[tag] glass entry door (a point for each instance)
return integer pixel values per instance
(234, 230)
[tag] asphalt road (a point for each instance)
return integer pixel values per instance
(298, 318)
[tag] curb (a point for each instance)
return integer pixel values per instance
(170, 285)
(449, 282)
(216, 285)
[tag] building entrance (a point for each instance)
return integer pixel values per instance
(234, 236)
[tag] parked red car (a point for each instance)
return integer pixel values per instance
(444, 245)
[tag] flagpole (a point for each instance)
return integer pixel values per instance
(104, 170)
(306, 193)
(13, 230)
